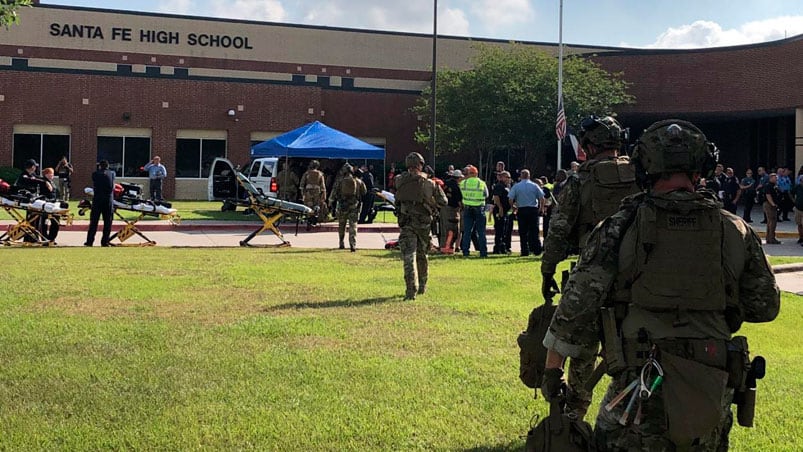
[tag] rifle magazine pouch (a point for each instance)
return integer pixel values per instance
(693, 396)
(532, 353)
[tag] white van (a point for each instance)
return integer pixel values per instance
(222, 183)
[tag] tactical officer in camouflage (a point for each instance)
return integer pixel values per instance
(417, 200)
(666, 281)
(313, 188)
(590, 194)
(287, 181)
(347, 193)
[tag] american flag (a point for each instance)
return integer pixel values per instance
(560, 124)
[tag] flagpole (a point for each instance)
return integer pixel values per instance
(434, 89)
(560, 77)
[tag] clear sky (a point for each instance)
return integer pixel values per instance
(626, 23)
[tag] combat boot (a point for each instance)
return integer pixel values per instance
(342, 246)
(422, 287)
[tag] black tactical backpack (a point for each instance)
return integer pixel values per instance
(559, 432)
(532, 353)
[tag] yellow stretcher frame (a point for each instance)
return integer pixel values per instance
(24, 226)
(269, 214)
(130, 228)
(270, 218)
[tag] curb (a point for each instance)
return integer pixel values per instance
(787, 268)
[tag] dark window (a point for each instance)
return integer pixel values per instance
(47, 150)
(210, 149)
(137, 152)
(19, 63)
(111, 149)
(126, 155)
(266, 170)
(194, 156)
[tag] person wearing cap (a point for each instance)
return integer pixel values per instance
(36, 185)
(475, 192)
(503, 223)
(450, 213)
(29, 180)
(102, 204)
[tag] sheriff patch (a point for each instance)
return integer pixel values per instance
(682, 223)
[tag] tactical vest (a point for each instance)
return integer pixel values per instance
(650, 277)
(314, 181)
(603, 185)
(412, 195)
(348, 188)
(473, 190)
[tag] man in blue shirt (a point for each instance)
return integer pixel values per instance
(784, 187)
(156, 173)
(528, 198)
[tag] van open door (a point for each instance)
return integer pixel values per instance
(222, 182)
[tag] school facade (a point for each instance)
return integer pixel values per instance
(96, 84)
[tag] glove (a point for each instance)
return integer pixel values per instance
(549, 287)
(553, 384)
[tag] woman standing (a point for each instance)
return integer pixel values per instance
(748, 186)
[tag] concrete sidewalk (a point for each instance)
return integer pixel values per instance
(198, 234)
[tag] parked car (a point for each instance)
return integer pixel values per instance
(222, 182)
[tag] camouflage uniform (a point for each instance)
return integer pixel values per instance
(579, 209)
(313, 188)
(417, 199)
(288, 185)
(348, 207)
(609, 274)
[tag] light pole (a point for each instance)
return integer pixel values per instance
(432, 102)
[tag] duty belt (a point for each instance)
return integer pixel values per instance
(711, 352)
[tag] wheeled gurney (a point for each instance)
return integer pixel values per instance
(29, 210)
(269, 210)
(128, 197)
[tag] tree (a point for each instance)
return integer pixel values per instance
(508, 102)
(8, 11)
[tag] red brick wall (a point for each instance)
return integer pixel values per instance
(751, 78)
(56, 99)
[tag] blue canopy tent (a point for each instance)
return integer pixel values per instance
(316, 140)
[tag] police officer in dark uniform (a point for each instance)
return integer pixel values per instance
(102, 204)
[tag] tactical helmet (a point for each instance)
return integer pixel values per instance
(346, 169)
(603, 133)
(674, 146)
(314, 164)
(414, 159)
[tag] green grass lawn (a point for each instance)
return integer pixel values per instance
(291, 349)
